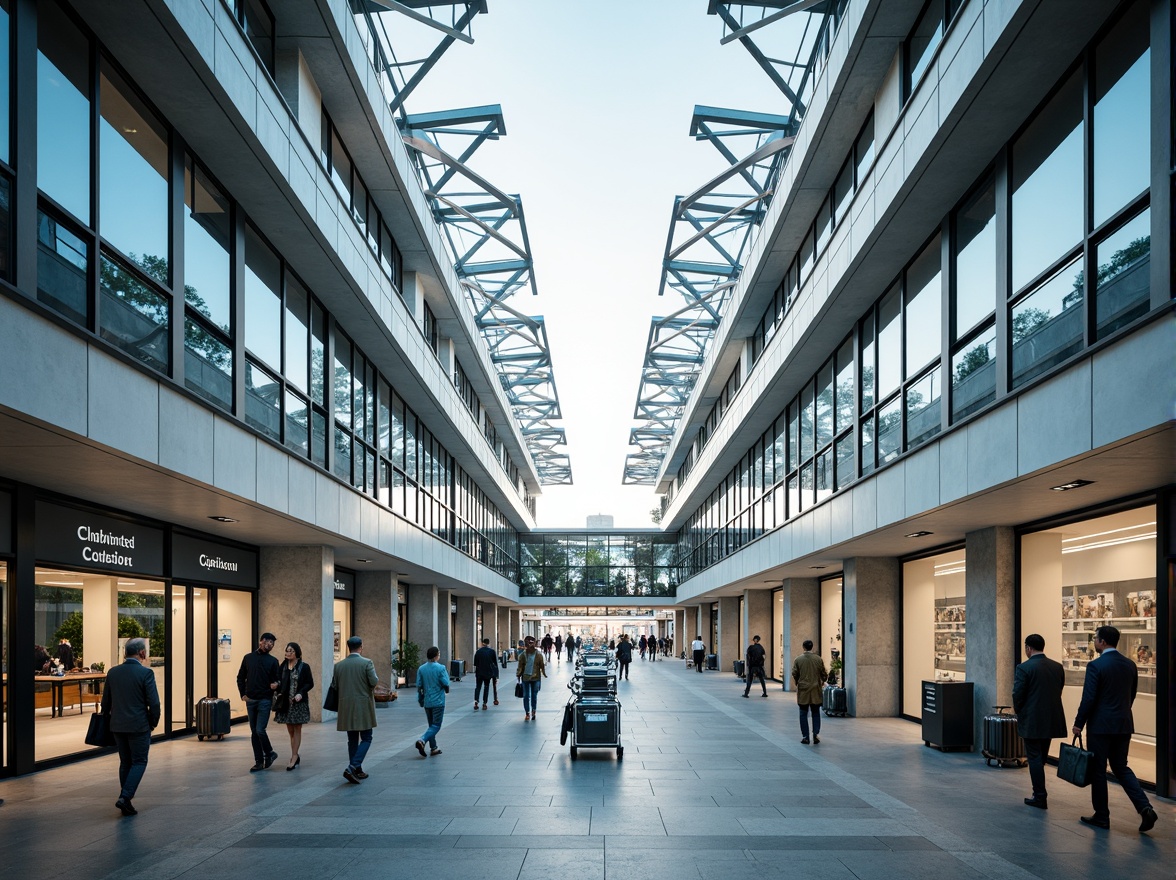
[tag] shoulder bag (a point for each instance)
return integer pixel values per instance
(98, 733)
(331, 703)
(1075, 763)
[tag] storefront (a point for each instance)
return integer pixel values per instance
(934, 611)
(344, 609)
(78, 582)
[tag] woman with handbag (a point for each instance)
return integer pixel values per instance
(531, 673)
(290, 703)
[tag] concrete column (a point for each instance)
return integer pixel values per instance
(467, 630)
(297, 602)
(871, 636)
(502, 612)
(445, 625)
(991, 619)
(802, 620)
(757, 619)
(375, 619)
(516, 625)
(728, 649)
(422, 621)
(99, 624)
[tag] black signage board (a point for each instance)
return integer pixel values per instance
(70, 536)
(344, 584)
(5, 522)
(208, 561)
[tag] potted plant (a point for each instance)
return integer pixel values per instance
(835, 667)
(405, 661)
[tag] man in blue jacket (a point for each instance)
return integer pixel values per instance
(432, 686)
(1105, 710)
(131, 700)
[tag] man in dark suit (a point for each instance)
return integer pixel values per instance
(1105, 710)
(485, 673)
(1037, 700)
(131, 700)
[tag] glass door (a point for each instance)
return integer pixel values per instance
(189, 655)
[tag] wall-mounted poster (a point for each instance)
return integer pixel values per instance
(224, 644)
(338, 641)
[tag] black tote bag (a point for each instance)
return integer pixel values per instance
(1075, 763)
(331, 703)
(98, 733)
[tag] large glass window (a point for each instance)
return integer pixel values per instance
(63, 266)
(1046, 324)
(1047, 186)
(934, 616)
(63, 111)
(206, 247)
(133, 174)
(1101, 571)
(973, 374)
(923, 298)
(234, 632)
(263, 300)
(1123, 282)
(921, 45)
(5, 82)
(134, 316)
(975, 260)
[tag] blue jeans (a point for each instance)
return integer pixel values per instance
(434, 714)
(358, 743)
(132, 760)
(259, 715)
(531, 695)
(804, 714)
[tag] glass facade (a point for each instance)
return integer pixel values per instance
(934, 634)
(597, 564)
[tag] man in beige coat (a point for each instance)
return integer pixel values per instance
(355, 679)
(808, 672)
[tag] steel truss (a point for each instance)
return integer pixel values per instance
(484, 227)
(712, 229)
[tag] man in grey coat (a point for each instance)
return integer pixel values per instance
(1037, 700)
(131, 699)
(355, 678)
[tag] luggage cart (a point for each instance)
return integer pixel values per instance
(592, 716)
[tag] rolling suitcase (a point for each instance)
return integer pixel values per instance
(1002, 743)
(456, 669)
(212, 718)
(712, 661)
(833, 702)
(740, 667)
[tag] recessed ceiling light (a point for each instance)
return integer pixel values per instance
(919, 534)
(361, 561)
(818, 567)
(224, 519)
(1073, 484)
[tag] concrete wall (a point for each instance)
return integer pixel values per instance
(802, 620)
(871, 590)
(991, 649)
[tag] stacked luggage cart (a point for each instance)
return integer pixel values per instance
(592, 716)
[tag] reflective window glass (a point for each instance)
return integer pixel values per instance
(1122, 114)
(63, 111)
(263, 401)
(208, 364)
(923, 298)
(318, 353)
(297, 414)
(133, 172)
(263, 300)
(824, 224)
(973, 374)
(863, 151)
(5, 227)
(5, 82)
(1047, 185)
(206, 246)
(63, 260)
(845, 464)
(975, 260)
(134, 316)
(258, 23)
(1123, 285)
(922, 409)
(824, 417)
(793, 435)
(843, 192)
(845, 383)
(807, 407)
(889, 430)
(807, 257)
(922, 43)
(889, 343)
(1047, 324)
(297, 333)
(318, 438)
(867, 444)
(867, 348)
(340, 167)
(342, 379)
(341, 458)
(823, 478)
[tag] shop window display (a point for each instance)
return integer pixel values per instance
(934, 624)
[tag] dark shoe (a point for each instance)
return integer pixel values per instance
(816, 739)
(269, 759)
(745, 696)
(475, 705)
(435, 752)
(765, 694)
(1096, 822)
(360, 774)
(350, 776)
(1149, 820)
(484, 705)
(805, 741)
(124, 804)
(420, 747)
(1040, 803)
(260, 765)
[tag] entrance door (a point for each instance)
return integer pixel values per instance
(190, 640)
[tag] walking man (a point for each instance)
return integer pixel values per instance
(571, 646)
(808, 672)
(1105, 710)
(699, 649)
(1037, 700)
(756, 657)
(257, 679)
(131, 700)
(355, 678)
(624, 657)
(432, 686)
(485, 672)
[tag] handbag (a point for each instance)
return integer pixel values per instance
(331, 703)
(1075, 763)
(519, 689)
(281, 703)
(381, 693)
(98, 733)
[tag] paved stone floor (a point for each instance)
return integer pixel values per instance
(711, 786)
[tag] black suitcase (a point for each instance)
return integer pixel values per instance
(739, 666)
(712, 661)
(212, 718)
(833, 702)
(1002, 742)
(456, 669)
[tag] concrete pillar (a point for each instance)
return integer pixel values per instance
(991, 619)
(297, 602)
(502, 612)
(467, 630)
(375, 619)
(757, 620)
(728, 648)
(100, 624)
(802, 620)
(516, 625)
(872, 587)
(422, 621)
(445, 625)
